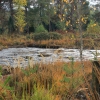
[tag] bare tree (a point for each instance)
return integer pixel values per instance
(79, 3)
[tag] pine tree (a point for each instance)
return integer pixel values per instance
(11, 27)
(41, 14)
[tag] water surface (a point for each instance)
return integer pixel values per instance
(23, 56)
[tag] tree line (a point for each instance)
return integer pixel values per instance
(26, 15)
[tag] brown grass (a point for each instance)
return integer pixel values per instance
(50, 77)
(68, 41)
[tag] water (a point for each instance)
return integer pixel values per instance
(20, 56)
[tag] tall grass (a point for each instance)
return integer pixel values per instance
(67, 40)
(57, 81)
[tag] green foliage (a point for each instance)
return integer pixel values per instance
(40, 14)
(40, 28)
(41, 36)
(96, 16)
(70, 79)
(93, 28)
(71, 17)
(55, 36)
(4, 86)
(30, 71)
(11, 25)
(1, 30)
(30, 36)
(68, 70)
(41, 94)
(0, 71)
(47, 36)
(66, 79)
(60, 25)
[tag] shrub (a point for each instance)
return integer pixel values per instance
(40, 28)
(55, 36)
(92, 35)
(30, 36)
(93, 28)
(41, 36)
(47, 36)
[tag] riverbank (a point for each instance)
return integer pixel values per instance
(68, 41)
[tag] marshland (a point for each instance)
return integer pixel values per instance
(49, 50)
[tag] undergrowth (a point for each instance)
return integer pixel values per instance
(56, 81)
(68, 40)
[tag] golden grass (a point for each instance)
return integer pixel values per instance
(68, 41)
(14, 40)
(50, 78)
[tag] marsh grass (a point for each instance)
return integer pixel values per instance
(68, 40)
(54, 81)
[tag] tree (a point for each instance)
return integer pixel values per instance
(11, 27)
(42, 13)
(96, 16)
(71, 14)
(20, 15)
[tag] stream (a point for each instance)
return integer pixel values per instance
(22, 57)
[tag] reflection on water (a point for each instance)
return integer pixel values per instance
(23, 56)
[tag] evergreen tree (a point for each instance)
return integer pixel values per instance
(41, 14)
(11, 27)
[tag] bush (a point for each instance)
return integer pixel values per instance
(93, 28)
(92, 35)
(30, 36)
(40, 28)
(47, 36)
(55, 36)
(41, 36)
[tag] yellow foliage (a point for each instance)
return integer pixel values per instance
(84, 3)
(66, 1)
(20, 19)
(20, 2)
(67, 23)
(84, 19)
(20, 15)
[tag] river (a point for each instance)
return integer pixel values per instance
(23, 56)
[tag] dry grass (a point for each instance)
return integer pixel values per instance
(68, 41)
(50, 77)
(14, 40)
